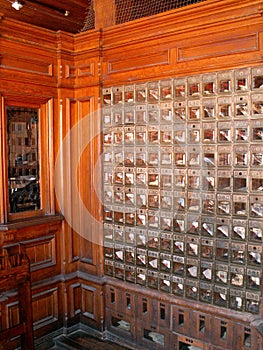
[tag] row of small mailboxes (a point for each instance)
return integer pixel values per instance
(225, 296)
(220, 109)
(205, 157)
(222, 204)
(206, 85)
(178, 252)
(234, 276)
(208, 228)
(171, 220)
(131, 183)
(238, 132)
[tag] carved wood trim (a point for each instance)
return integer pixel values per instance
(218, 48)
(137, 62)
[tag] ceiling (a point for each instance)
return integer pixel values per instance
(49, 14)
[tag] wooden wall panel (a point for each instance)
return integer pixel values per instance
(10, 317)
(41, 242)
(88, 155)
(78, 71)
(75, 299)
(45, 307)
(87, 45)
(3, 166)
(19, 33)
(85, 105)
(84, 70)
(62, 75)
(41, 252)
(92, 304)
(30, 65)
(135, 60)
(40, 67)
(12, 314)
(65, 67)
(68, 197)
(88, 301)
(78, 59)
(85, 302)
(78, 93)
(218, 48)
(48, 306)
(206, 15)
(186, 42)
(76, 196)
(87, 60)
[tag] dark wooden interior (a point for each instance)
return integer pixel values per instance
(49, 14)
(49, 65)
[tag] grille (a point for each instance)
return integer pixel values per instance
(129, 10)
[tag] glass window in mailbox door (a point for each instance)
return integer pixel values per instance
(23, 159)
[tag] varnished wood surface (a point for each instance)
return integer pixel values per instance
(15, 275)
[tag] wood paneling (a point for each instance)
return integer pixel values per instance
(218, 48)
(194, 41)
(15, 302)
(63, 84)
(86, 302)
(26, 65)
(75, 299)
(45, 307)
(12, 314)
(134, 61)
(41, 252)
(179, 322)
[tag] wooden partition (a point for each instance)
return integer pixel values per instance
(57, 74)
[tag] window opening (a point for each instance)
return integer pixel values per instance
(23, 159)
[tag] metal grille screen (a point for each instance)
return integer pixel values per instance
(130, 10)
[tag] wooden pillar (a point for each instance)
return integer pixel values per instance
(104, 13)
(26, 314)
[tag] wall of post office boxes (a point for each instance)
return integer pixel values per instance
(183, 186)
